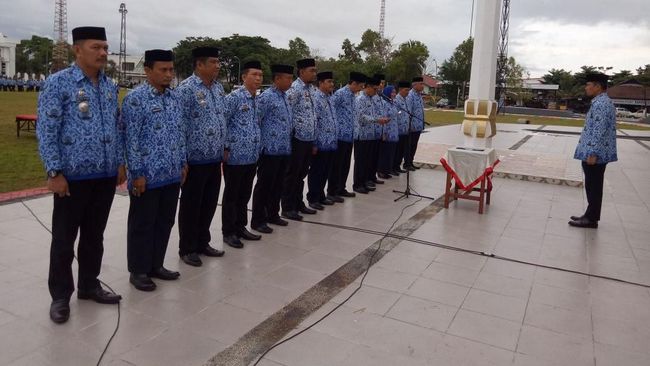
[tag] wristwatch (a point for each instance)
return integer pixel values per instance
(53, 173)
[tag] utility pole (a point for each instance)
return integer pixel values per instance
(122, 58)
(60, 52)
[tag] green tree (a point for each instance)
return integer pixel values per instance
(408, 61)
(375, 48)
(568, 87)
(183, 53)
(621, 76)
(643, 75)
(350, 52)
(34, 56)
(456, 69)
(299, 48)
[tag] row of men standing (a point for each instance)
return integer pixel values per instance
(10, 84)
(164, 139)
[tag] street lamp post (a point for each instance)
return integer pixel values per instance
(238, 69)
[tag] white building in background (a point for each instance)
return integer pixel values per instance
(133, 67)
(7, 56)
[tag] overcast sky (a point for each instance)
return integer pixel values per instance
(544, 34)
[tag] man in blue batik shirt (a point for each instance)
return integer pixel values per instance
(276, 127)
(367, 118)
(343, 102)
(379, 132)
(415, 105)
(403, 121)
(596, 148)
(81, 148)
(303, 144)
(242, 153)
(390, 136)
(202, 103)
(156, 161)
(326, 142)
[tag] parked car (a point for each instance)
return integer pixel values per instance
(638, 114)
(442, 103)
(623, 113)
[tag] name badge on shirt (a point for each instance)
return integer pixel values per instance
(156, 109)
(245, 108)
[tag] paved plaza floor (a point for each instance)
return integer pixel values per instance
(420, 304)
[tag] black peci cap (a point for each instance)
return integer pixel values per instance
(81, 33)
(158, 55)
(305, 63)
(253, 64)
(325, 75)
(281, 69)
(205, 52)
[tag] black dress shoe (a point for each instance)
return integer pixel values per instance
(394, 173)
(60, 311)
(401, 171)
(247, 235)
(577, 218)
(371, 188)
(209, 251)
(278, 221)
(316, 206)
(142, 282)
(307, 211)
(345, 193)
(233, 241)
(264, 229)
(370, 183)
(327, 202)
(192, 259)
(416, 167)
(377, 181)
(362, 190)
(410, 168)
(100, 296)
(384, 176)
(584, 223)
(292, 215)
(164, 274)
(336, 199)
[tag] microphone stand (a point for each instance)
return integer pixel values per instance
(406, 193)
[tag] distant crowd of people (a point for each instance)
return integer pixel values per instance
(19, 85)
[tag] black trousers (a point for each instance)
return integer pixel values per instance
(412, 149)
(594, 180)
(386, 156)
(338, 177)
(362, 150)
(199, 198)
(318, 173)
(271, 170)
(400, 151)
(85, 212)
(373, 162)
(150, 222)
(236, 194)
(294, 180)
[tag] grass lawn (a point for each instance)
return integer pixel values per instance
(442, 118)
(21, 167)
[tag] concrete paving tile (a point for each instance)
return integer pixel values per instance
(503, 285)
(368, 299)
(442, 292)
(556, 347)
(486, 329)
(423, 313)
(167, 349)
(450, 273)
(500, 306)
(221, 322)
(572, 323)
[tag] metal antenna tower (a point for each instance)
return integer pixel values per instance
(122, 59)
(382, 18)
(60, 52)
(502, 60)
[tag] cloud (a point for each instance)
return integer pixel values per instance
(544, 33)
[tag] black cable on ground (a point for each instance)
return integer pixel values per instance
(119, 312)
(365, 273)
